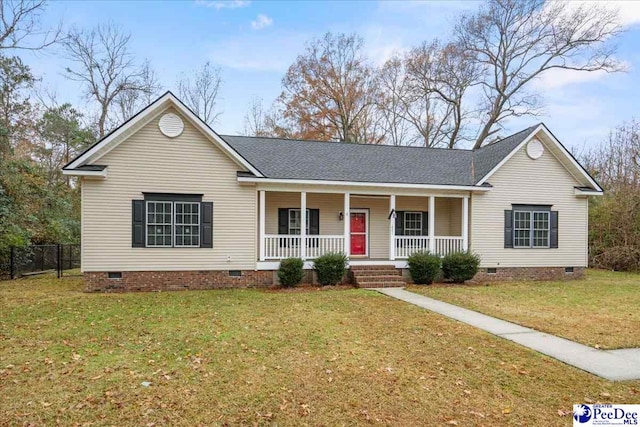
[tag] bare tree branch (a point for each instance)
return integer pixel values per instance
(103, 64)
(20, 26)
(516, 41)
(200, 92)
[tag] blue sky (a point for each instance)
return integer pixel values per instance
(255, 42)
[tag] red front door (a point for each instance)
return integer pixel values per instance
(358, 233)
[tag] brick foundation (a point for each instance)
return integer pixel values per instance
(528, 273)
(132, 281)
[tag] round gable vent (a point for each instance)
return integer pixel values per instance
(535, 149)
(171, 125)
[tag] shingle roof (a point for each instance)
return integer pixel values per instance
(339, 161)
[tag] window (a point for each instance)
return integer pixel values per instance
(159, 224)
(164, 220)
(413, 223)
(294, 221)
(531, 229)
(187, 224)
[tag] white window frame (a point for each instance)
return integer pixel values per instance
(175, 224)
(532, 229)
(289, 212)
(163, 224)
(414, 230)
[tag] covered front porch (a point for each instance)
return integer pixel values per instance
(369, 228)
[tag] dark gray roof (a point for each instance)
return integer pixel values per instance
(488, 157)
(339, 161)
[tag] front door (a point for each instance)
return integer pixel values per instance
(359, 235)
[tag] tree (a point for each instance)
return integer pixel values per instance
(392, 102)
(15, 106)
(516, 41)
(255, 120)
(62, 136)
(20, 25)
(129, 102)
(106, 68)
(328, 91)
(200, 92)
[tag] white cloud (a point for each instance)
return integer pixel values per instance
(223, 4)
(261, 22)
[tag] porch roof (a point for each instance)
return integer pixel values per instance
(339, 161)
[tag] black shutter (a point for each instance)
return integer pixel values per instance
(314, 221)
(283, 225)
(283, 221)
(553, 236)
(508, 229)
(314, 227)
(425, 223)
(399, 223)
(137, 223)
(206, 224)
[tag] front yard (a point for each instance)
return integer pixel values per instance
(248, 357)
(602, 310)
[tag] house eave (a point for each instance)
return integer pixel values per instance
(587, 192)
(257, 180)
(78, 172)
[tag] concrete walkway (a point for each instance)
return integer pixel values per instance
(614, 365)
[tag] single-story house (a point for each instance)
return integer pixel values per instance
(167, 203)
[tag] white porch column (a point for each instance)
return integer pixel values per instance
(432, 224)
(303, 225)
(392, 227)
(347, 224)
(261, 223)
(465, 223)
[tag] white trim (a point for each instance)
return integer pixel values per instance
(262, 215)
(361, 184)
(543, 128)
(75, 172)
(413, 229)
(465, 224)
(432, 224)
(303, 225)
(308, 265)
(392, 226)
(579, 192)
(366, 232)
(346, 217)
(167, 98)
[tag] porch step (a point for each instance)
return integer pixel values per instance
(373, 267)
(390, 272)
(377, 276)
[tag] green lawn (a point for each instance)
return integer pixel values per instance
(602, 310)
(249, 357)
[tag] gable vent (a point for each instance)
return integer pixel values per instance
(171, 125)
(535, 149)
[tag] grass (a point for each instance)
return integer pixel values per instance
(601, 310)
(249, 357)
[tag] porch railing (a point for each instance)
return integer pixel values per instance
(407, 245)
(447, 244)
(280, 246)
(443, 245)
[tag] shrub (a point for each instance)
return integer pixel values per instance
(291, 272)
(330, 268)
(460, 266)
(423, 267)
